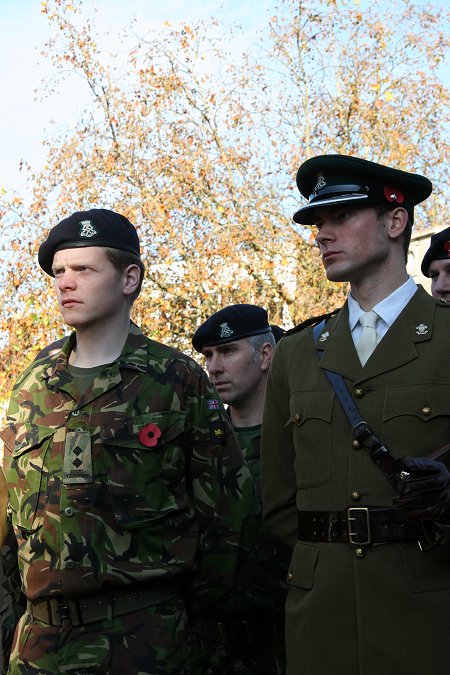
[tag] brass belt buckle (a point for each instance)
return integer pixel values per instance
(351, 518)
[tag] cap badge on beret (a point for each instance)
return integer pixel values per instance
(225, 330)
(87, 229)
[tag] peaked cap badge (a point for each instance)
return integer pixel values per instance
(225, 330)
(320, 182)
(87, 229)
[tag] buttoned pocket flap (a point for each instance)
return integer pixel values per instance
(25, 437)
(146, 432)
(310, 405)
(303, 565)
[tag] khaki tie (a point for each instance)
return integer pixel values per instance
(369, 336)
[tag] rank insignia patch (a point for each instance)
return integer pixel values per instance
(217, 433)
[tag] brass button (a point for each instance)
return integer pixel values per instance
(290, 576)
(426, 411)
(297, 417)
(356, 444)
(360, 552)
(356, 496)
(359, 392)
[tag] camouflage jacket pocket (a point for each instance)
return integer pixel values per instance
(27, 475)
(145, 462)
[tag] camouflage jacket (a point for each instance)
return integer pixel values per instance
(139, 479)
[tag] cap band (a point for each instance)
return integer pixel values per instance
(340, 190)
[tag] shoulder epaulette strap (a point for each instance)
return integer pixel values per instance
(312, 321)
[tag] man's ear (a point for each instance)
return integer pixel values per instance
(266, 356)
(396, 221)
(131, 279)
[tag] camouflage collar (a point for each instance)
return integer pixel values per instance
(135, 350)
(134, 355)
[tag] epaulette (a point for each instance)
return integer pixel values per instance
(50, 349)
(312, 321)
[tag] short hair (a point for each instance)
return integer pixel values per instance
(121, 260)
(257, 341)
(381, 209)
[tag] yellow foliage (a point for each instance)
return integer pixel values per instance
(199, 148)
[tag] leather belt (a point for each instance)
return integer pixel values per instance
(358, 525)
(98, 607)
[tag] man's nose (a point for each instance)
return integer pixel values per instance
(326, 233)
(215, 364)
(66, 280)
(439, 284)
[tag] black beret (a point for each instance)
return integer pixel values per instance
(439, 250)
(333, 179)
(229, 324)
(96, 227)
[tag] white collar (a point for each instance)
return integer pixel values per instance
(387, 309)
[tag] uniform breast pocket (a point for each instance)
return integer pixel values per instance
(416, 417)
(310, 421)
(27, 475)
(145, 463)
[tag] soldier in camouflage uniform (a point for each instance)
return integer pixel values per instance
(128, 493)
(245, 634)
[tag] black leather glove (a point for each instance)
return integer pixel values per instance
(423, 487)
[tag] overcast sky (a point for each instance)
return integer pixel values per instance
(25, 121)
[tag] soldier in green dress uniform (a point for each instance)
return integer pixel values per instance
(369, 579)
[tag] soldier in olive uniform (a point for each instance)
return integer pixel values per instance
(246, 634)
(436, 264)
(369, 579)
(128, 493)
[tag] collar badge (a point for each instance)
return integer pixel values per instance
(324, 336)
(421, 329)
